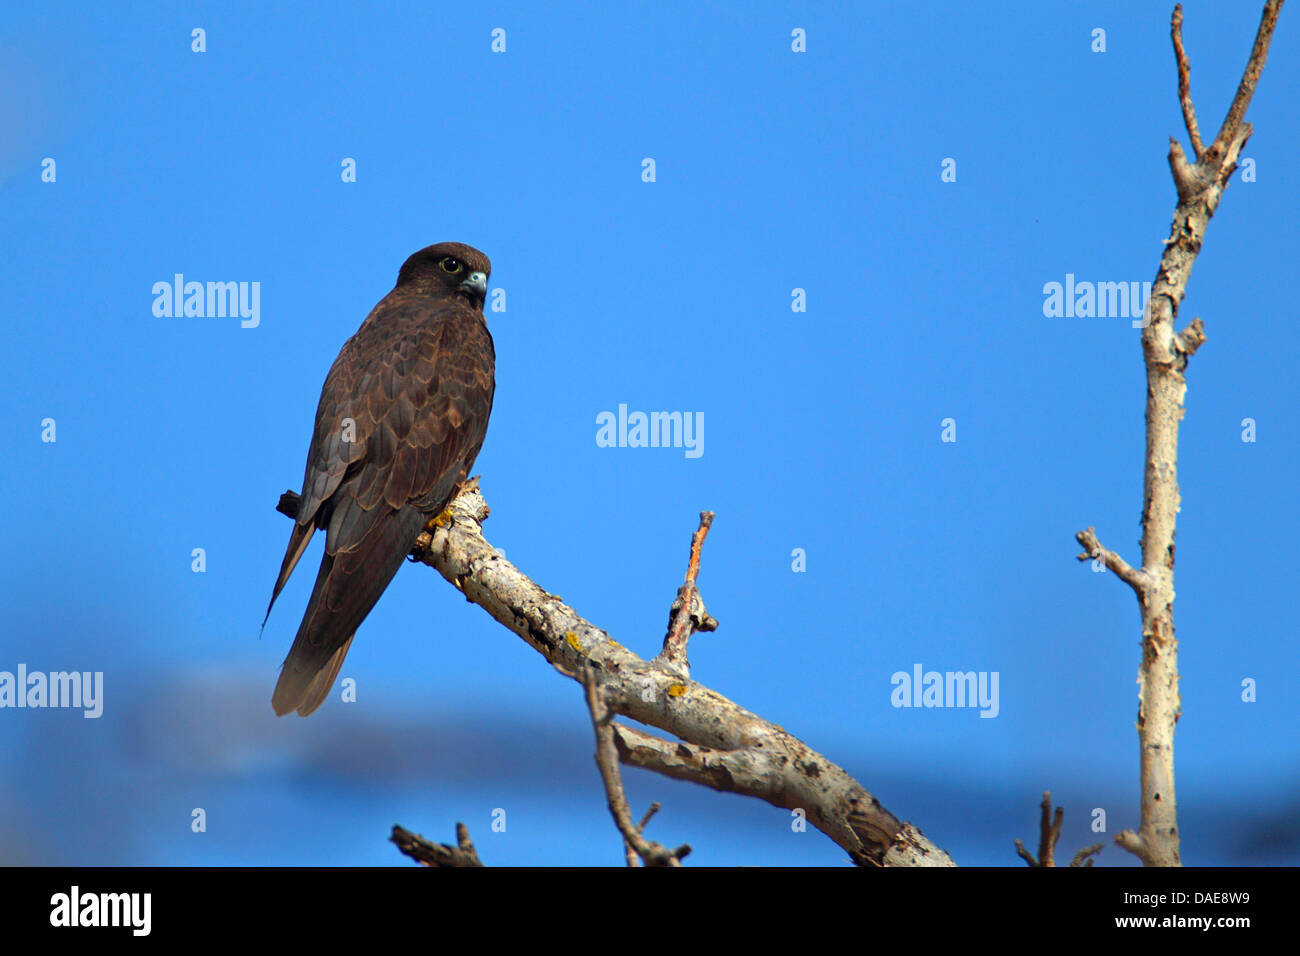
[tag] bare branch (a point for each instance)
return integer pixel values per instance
(628, 852)
(429, 853)
(688, 613)
(1185, 82)
(1085, 854)
(1188, 177)
(1200, 186)
(1191, 338)
(1134, 843)
(1234, 123)
(1093, 551)
(653, 854)
(1049, 832)
(652, 693)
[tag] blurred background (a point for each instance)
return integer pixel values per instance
(774, 171)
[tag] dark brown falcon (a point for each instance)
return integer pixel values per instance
(401, 418)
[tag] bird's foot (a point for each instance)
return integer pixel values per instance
(444, 519)
(438, 521)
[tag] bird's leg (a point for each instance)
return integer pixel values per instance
(430, 526)
(444, 519)
(438, 521)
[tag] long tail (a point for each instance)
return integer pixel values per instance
(298, 542)
(348, 585)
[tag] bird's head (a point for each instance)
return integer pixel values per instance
(448, 267)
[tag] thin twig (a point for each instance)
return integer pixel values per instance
(1086, 854)
(1093, 551)
(650, 852)
(1233, 123)
(631, 854)
(1049, 832)
(429, 853)
(688, 613)
(1185, 82)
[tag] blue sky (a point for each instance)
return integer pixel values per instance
(775, 170)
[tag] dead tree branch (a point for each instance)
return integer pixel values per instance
(635, 845)
(429, 853)
(1049, 834)
(1200, 186)
(720, 744)
(688, 613)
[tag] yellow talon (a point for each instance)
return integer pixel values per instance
(441, 521)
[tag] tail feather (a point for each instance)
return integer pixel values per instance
(308, 694)
(348, 585)
(298, 542)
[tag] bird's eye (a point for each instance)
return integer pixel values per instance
(450, 265)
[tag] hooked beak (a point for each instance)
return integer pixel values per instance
(476, 283)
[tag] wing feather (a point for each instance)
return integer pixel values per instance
(417, 382)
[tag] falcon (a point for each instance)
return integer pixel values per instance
(402, 415)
